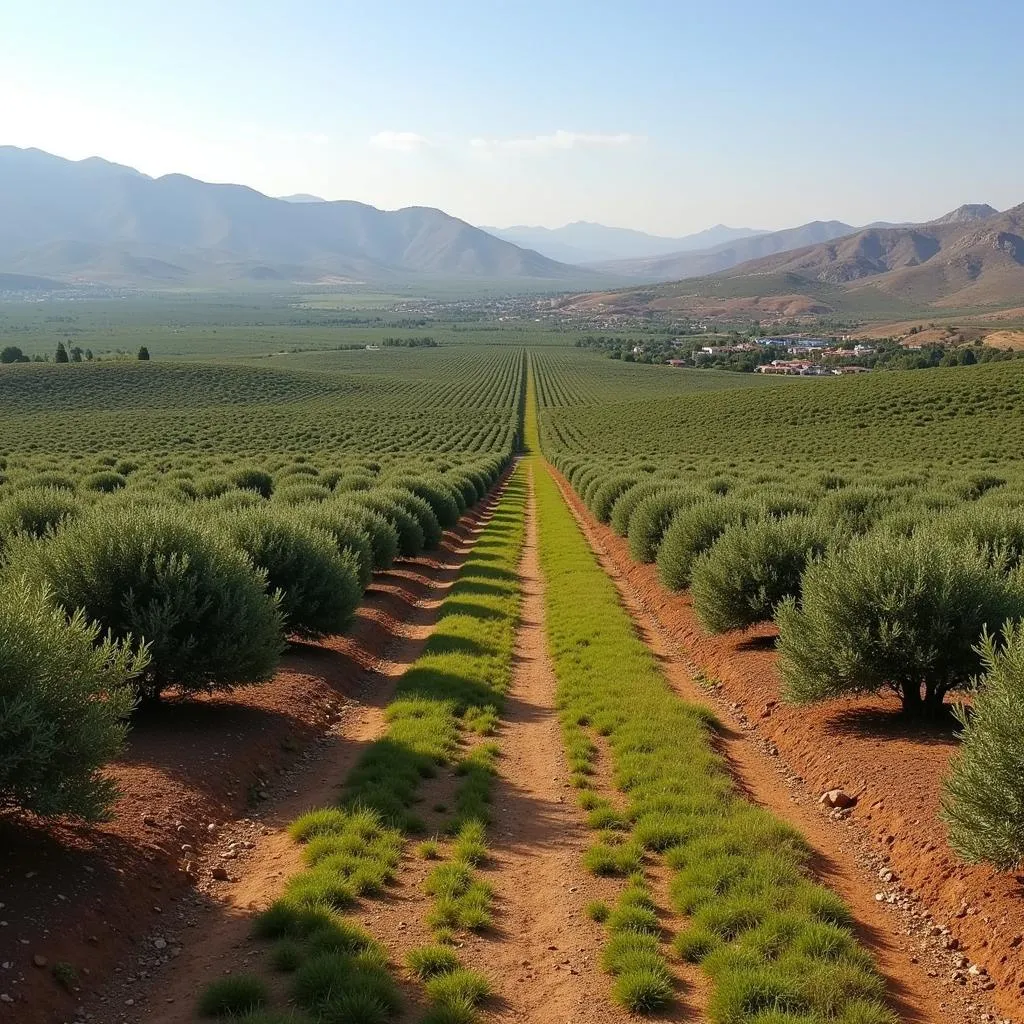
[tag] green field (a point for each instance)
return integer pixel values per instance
(169, 527)
(267, 326)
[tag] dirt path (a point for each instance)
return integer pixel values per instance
(543, 954)
(210, 934)
(916, 996)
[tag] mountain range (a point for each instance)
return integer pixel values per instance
(586, 243)
(99, 222)
(91, 221)
(677, 265)
(971, 257)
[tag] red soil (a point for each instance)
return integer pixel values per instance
(859, 746)
(84, 895)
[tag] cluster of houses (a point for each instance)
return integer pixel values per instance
(799, 368)
(793, 346)
(807, 354)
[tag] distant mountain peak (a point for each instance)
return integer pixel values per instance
(966, 214)
(301, 197)
(41, 158)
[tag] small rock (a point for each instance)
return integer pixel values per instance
(159, 943)
(837, 798)
(39, 960)
(219, 873)
(148, 819)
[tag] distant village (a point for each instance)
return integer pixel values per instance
(808, 355)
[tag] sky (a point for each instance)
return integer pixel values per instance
(662, 115)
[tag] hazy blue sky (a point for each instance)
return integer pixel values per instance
(663, 115)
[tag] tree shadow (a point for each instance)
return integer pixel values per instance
(446, 643)
(758, 643)
(891, 723)
(453, 606)
(469, 585)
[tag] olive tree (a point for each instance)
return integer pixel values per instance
(893, 613)
(65, 693)
(752, 568)
(983, 798)
(318, 583)
(155, 574)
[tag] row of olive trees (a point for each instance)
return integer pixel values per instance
(107, 606)
(923, 607)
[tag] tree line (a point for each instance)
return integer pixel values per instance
(63, 354)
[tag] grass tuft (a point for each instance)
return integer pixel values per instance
(233, 996)
(428, 962)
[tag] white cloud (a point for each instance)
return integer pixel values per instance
(559, 140)
(400, 142)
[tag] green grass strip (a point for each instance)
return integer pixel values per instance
(777, 946)
(457, 682)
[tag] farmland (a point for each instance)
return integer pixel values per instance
(319, 641)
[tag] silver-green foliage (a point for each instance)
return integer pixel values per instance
(651, 518)
(983, 803)
(319, 585)
(894, 613)
(64, 696)
(996, 532)
(691, 533)
(753, 567)
(155, 574)
(604, 496)
(36, 511)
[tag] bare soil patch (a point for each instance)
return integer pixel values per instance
(129, 896)
(785, 757)
(1006, 339)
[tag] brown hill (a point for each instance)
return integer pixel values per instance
(950, 262)
(969, 258)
